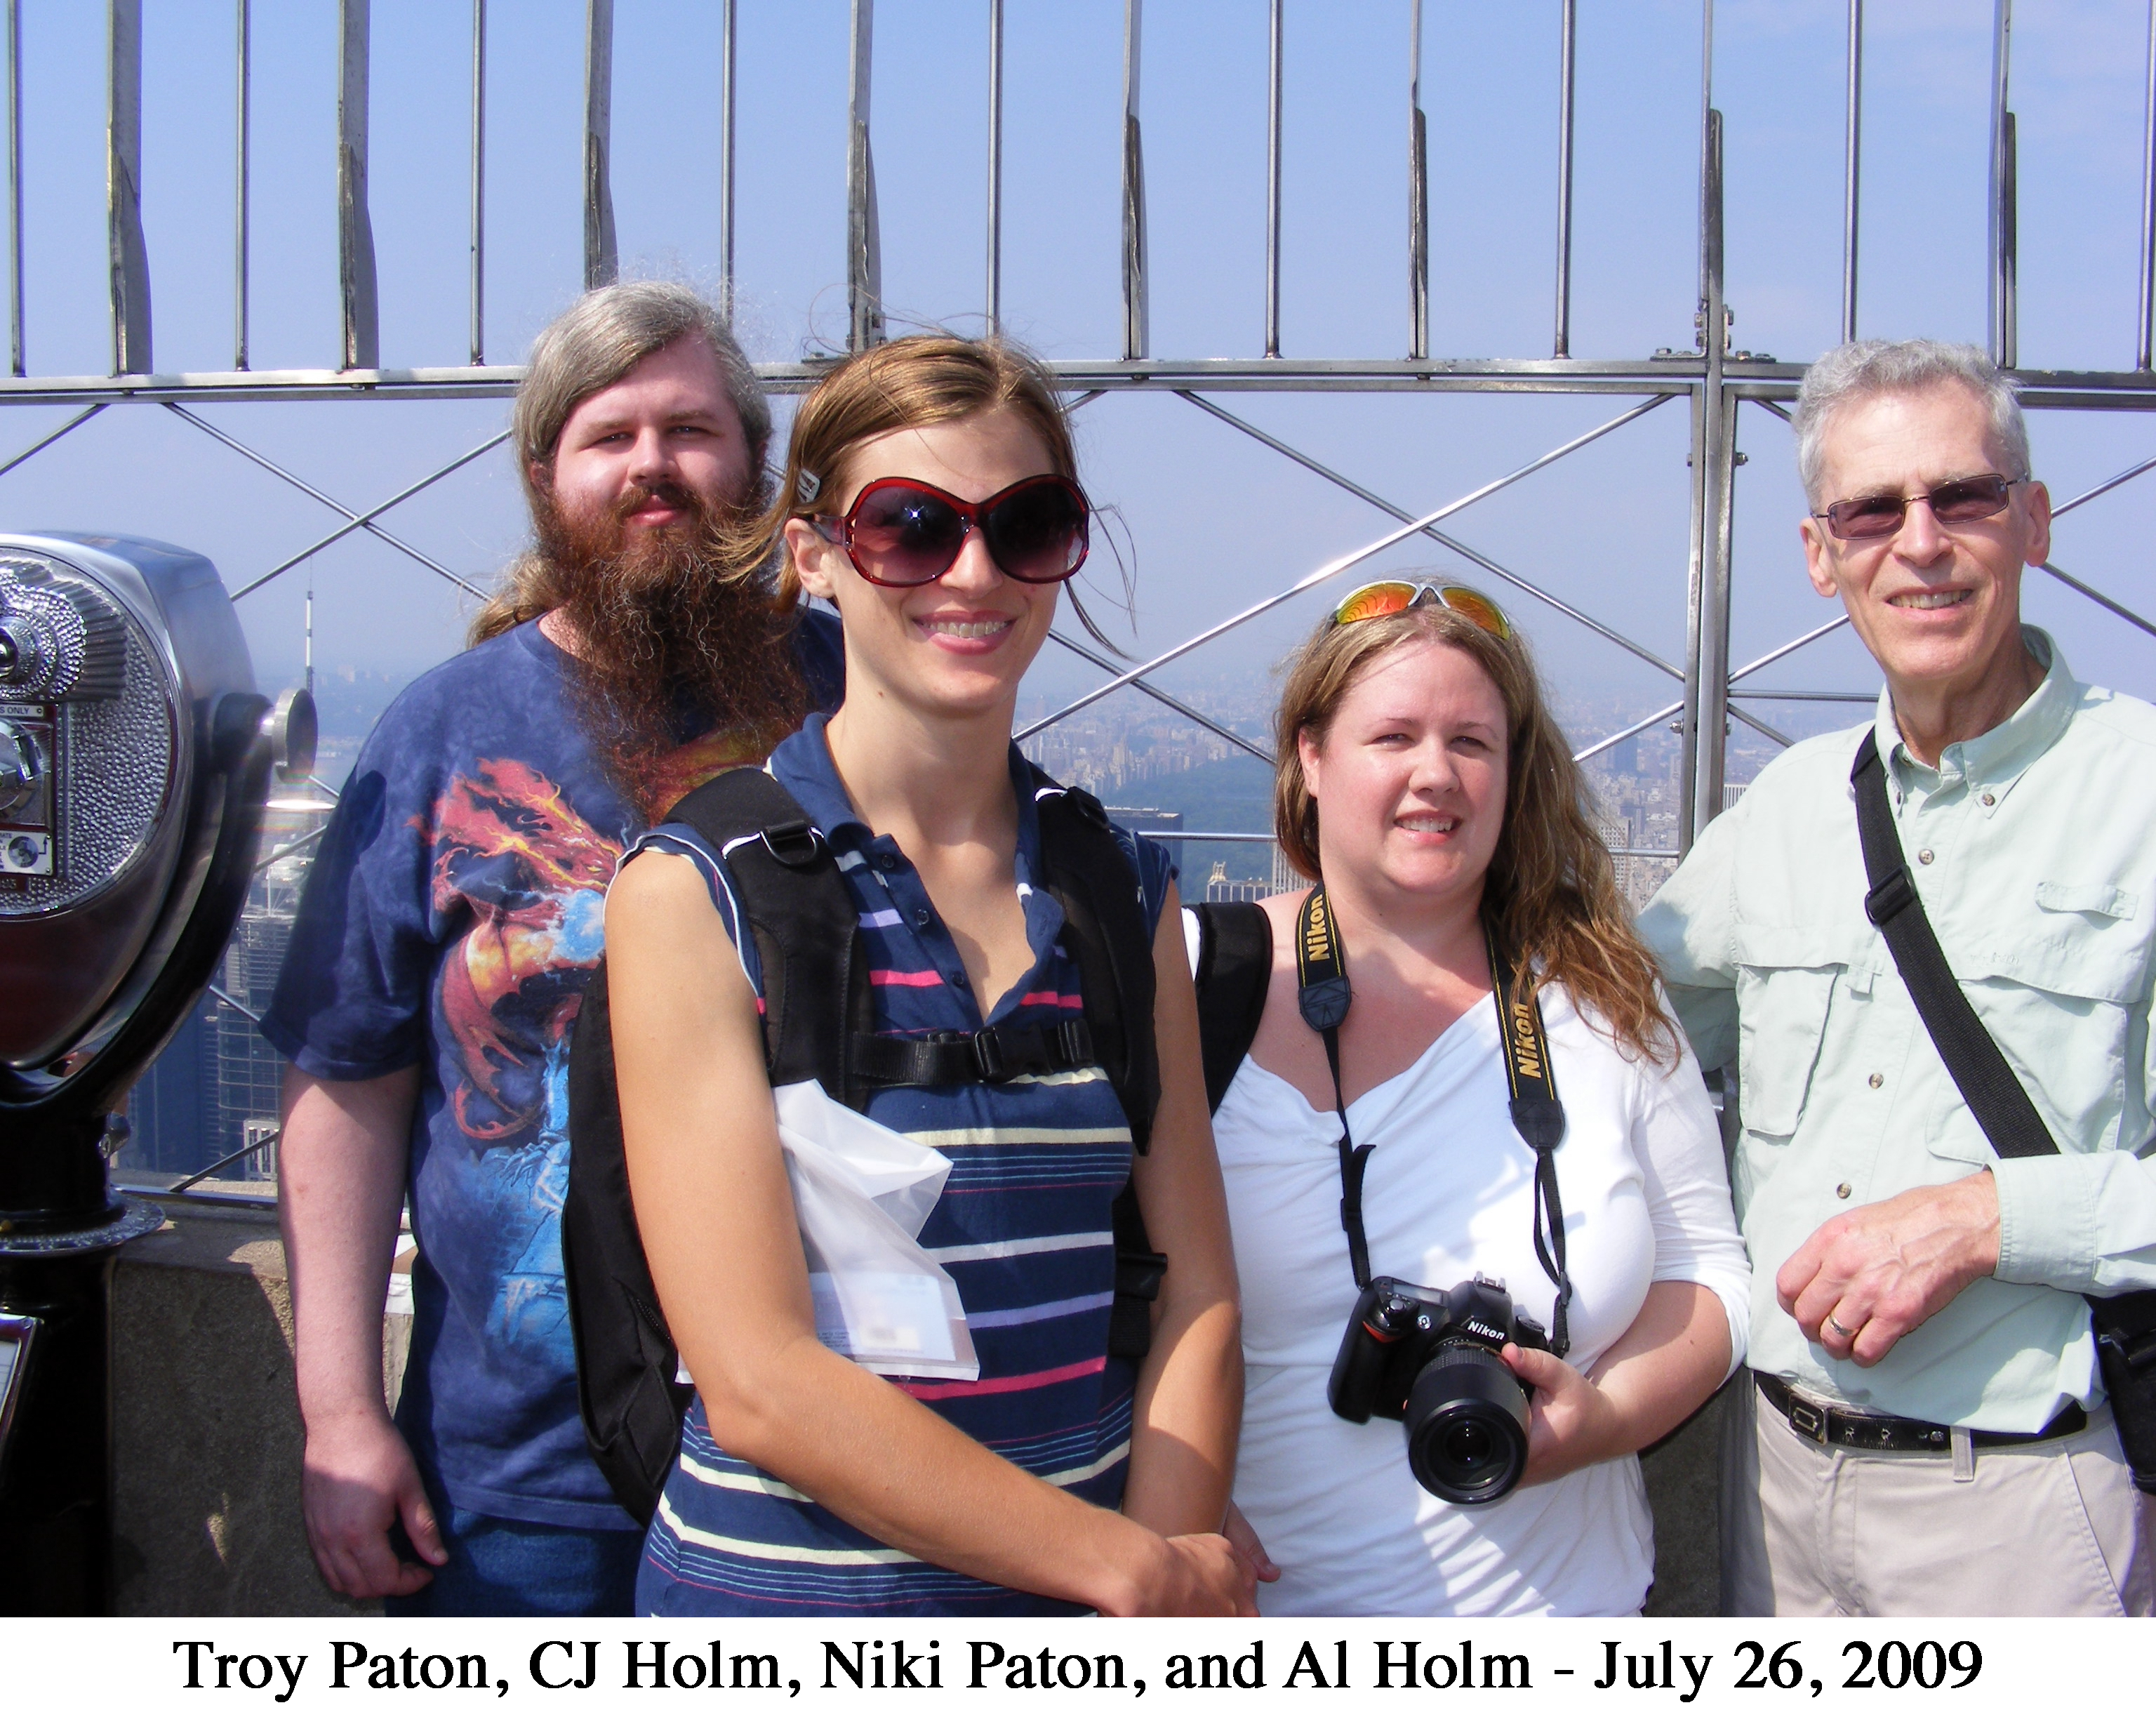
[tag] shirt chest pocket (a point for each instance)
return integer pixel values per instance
(1786, 979)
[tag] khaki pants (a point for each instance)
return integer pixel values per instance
(2051, 1528)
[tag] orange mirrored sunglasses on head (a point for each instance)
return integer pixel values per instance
(1393, 596)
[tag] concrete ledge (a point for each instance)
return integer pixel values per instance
(206, 1426)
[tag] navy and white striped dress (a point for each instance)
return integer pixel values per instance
(1023, 1226)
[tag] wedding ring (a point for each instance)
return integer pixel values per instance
(1835, 1324)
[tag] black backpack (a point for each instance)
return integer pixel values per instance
(817, 1025)
(1234, 966)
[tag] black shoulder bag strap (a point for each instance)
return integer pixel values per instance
(1323, 996)
(2125, 1325)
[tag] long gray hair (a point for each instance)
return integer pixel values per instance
(591, 345)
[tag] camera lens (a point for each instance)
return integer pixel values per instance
(1467, 1424)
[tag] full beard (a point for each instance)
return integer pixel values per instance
(677, 632)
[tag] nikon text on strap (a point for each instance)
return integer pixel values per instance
(2125, 1325)
(1323, 994)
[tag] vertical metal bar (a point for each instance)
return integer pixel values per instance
(995, 166)
(1569, 42)
(864, 238)
(727, 124)
(601, 264)
(1418, 196)
(1707, 663)
(243, 139)
(2145, 330)
(479, 182)
(1851, 170)
(15, 188)
(1273, 188)
(130, 258)
(1998, 307)
(362, 329)
(1134, 212)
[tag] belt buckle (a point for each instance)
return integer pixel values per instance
(1807, 1420)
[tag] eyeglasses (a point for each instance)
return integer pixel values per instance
(900, 532)
(1963, 501)
(1394, 596)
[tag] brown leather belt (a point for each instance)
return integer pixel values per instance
(1847, 1428)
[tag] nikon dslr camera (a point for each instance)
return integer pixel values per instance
(1429, 1359)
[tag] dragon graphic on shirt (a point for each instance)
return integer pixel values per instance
(513, 856)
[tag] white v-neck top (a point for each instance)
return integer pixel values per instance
(1448, 1192)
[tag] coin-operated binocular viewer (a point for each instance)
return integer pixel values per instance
(135, 756)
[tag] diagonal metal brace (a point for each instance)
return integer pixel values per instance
(1472, 556)
(309, 489)
(1437, 536)
(1175, 703)
(361, 520)
(1333, 568)
(42, 442)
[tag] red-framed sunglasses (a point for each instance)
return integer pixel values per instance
(901, 531)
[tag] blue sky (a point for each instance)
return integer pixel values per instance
(1213, 520)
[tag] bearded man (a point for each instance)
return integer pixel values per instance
(451, 922)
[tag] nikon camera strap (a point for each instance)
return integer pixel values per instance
(1323, 994)
(2124, 1324)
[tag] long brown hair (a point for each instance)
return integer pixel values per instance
(1551, 893)
(591, 345)
(904, 384)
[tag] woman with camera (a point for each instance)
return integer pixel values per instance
(1474, 1180)
(930, 493)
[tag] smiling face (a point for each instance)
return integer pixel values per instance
(641, 454)
(1937, 607)
(1410, 776)
(957, 646)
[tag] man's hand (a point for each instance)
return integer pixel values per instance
(357, 1482)
(1868, 1277)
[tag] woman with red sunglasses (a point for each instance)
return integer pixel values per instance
(1465, 1107)
(931, 495)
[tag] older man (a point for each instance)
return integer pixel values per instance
(451, 922)
(1927, 1432)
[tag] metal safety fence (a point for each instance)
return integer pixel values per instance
(1713, 383)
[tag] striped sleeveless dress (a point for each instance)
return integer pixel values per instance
(1023, 1226)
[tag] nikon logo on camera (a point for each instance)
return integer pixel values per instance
(1482, 1332)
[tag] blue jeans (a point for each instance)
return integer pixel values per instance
(499, 1567)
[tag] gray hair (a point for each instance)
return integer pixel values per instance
(1866, 369)
(604, 336)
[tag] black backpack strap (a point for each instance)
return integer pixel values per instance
(2125, 1325)
(1105, 932)
(805, 924)
(1090, 875)
(1234, 969)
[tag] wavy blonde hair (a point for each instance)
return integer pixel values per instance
(1550, 895)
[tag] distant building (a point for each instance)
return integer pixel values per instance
(1150, 821)
(1219, 886)
(214, 1091)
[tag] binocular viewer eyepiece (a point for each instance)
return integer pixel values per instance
(135, 758)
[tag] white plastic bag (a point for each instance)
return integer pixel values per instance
(861, 1193)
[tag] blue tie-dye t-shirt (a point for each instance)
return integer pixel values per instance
(452, 918)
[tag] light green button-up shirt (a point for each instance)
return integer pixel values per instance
(2034, 846)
